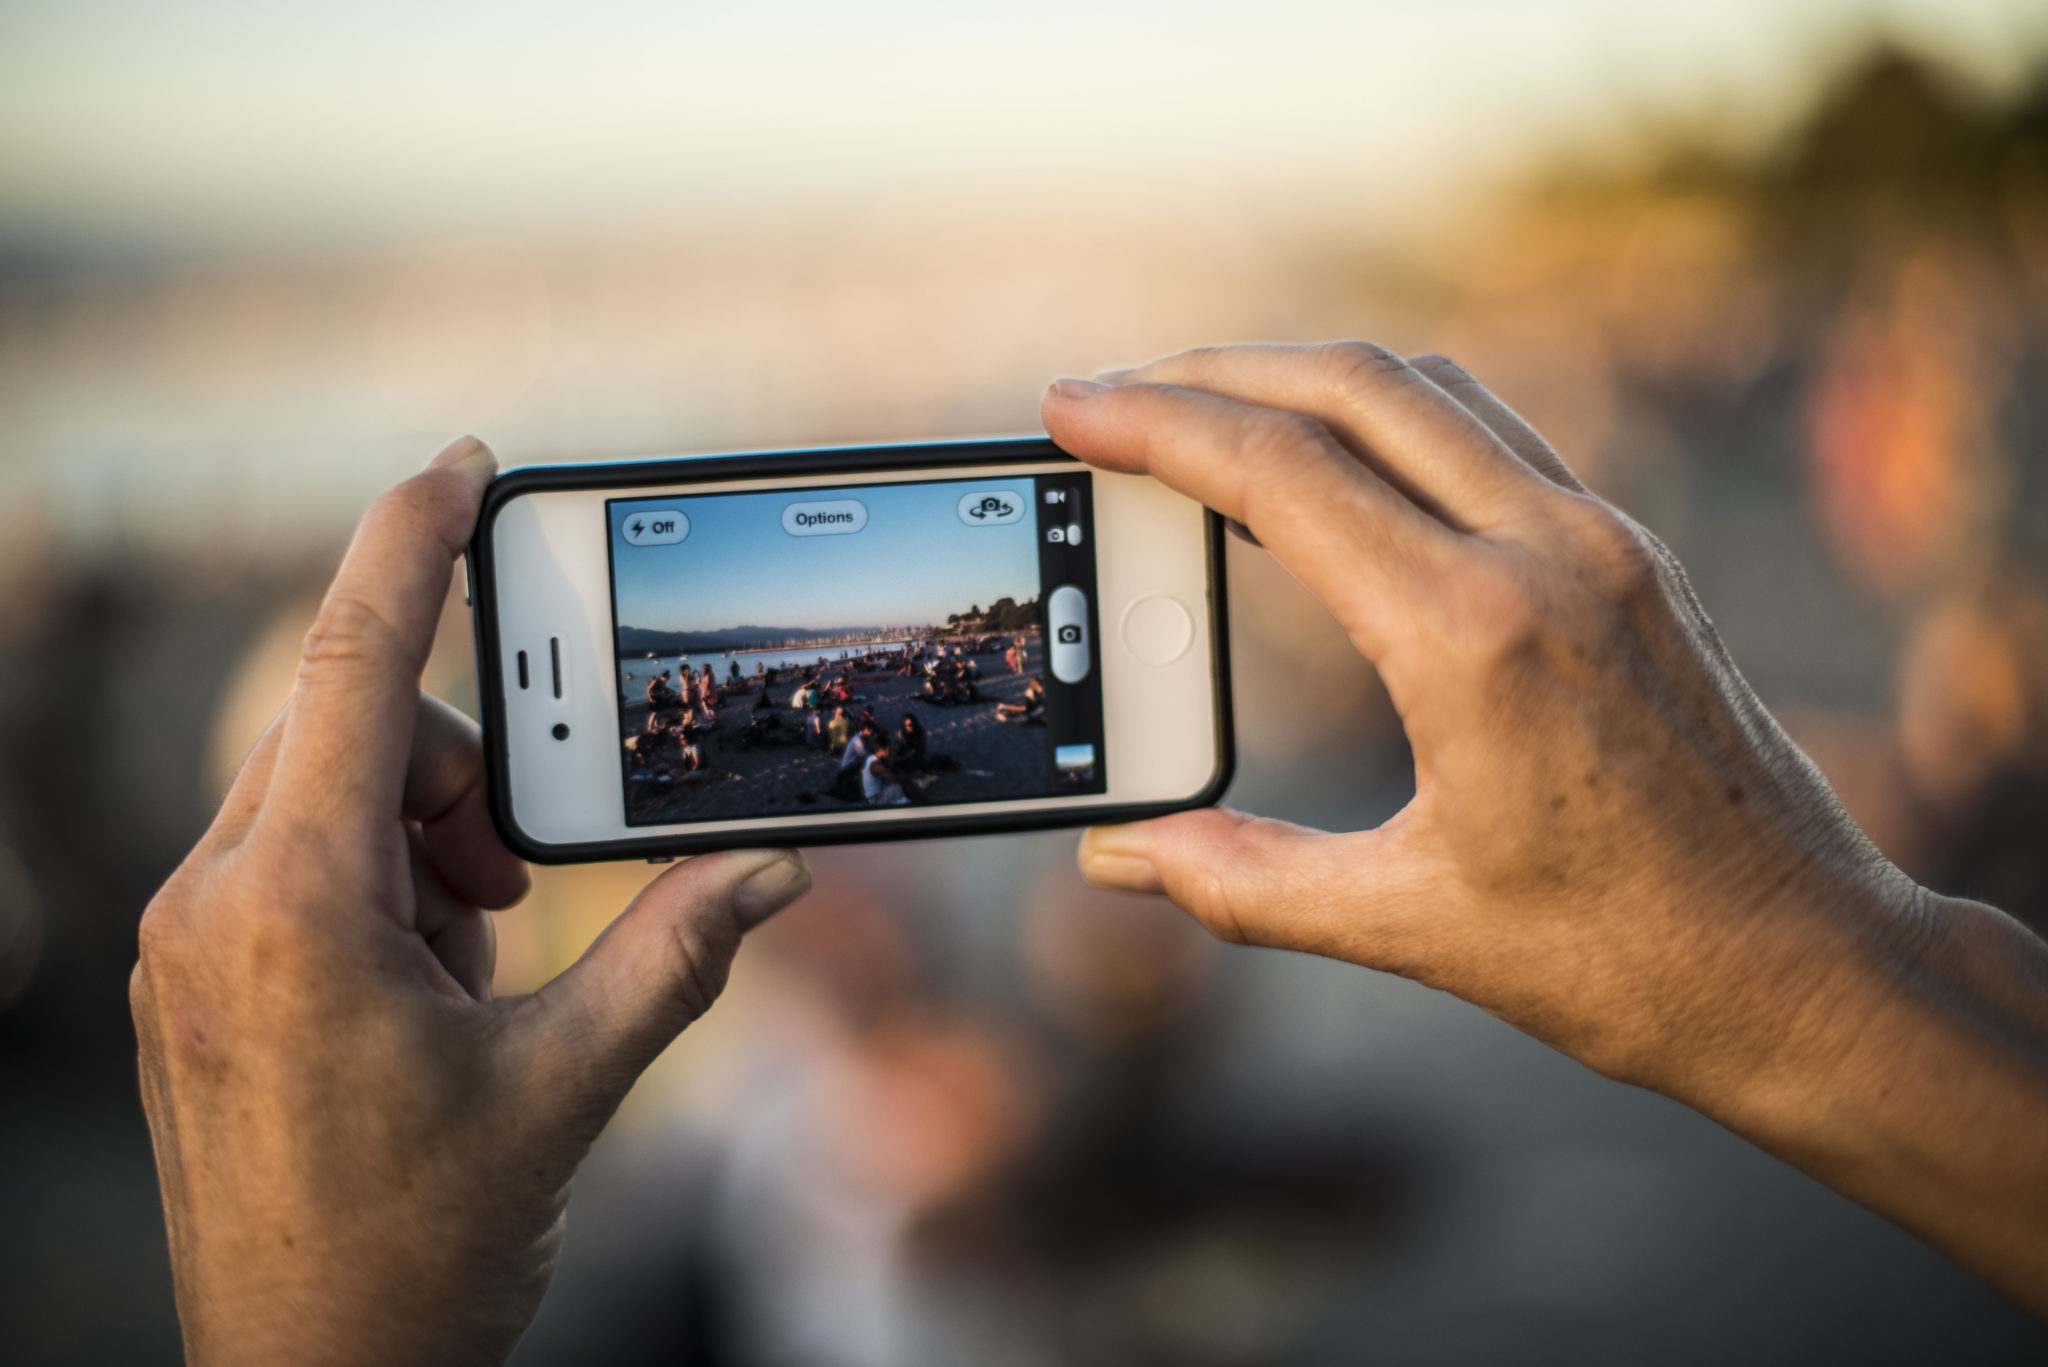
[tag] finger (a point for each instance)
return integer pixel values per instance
(1354, 542)
(445, 792)
(1121, 375)
(349, 733)
(655, 969)
(459, 934)
(1518, 436)
(246, 790)
(1383, 410)
(1252, 880)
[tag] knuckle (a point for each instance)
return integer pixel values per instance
(1277, 438)
(1280, 451)
(1437, 366)
(1358, 364)
(698, 967)
(139, 991)
(1211, 896)
(160, 931)
(1200, 358)
(348, 631)
(152, 939)
(1620, 559)
(1223, 879)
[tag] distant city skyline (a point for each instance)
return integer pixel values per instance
(913, 564)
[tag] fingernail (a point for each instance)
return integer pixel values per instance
(771, 887)
(1114, 857)
(1116, 376)
(1068, 387)
(457, 452)
(1119, 874)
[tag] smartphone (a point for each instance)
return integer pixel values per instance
(814, 647)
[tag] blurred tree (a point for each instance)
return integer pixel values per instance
(1896, 129)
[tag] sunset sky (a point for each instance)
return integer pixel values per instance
(236, 124)
(258, 259)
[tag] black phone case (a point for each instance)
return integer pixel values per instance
(711, 470)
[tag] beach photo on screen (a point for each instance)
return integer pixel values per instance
(804, 651)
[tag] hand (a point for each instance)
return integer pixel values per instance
(1592, 775)
(364, 1158)
(1611, 845)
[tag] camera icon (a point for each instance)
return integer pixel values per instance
(1068, 634)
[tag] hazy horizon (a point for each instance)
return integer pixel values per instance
(233, 126)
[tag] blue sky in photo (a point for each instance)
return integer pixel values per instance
(915, 562)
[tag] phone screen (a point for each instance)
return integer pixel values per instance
(801, 651)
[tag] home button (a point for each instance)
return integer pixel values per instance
(1158, 629)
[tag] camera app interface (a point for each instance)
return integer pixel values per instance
(853, 647)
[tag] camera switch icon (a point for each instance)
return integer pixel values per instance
(991, 507)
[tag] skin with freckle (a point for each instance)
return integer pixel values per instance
(365, 1158)
(1612, 844)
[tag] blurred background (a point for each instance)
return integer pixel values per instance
(1772, 274)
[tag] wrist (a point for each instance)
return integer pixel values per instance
(354, 1301)
(1914, 1079)
(1794, 984)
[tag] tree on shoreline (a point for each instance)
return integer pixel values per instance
(1005, 614)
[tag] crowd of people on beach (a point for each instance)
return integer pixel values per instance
(825, 711)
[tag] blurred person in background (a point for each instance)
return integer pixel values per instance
(874, 1105)
(1953, 785)
(365, 1158)
(1973, 746)
(1144, 1220)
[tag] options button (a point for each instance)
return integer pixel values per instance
(829, 517)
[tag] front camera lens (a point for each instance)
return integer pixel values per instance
(561, 730)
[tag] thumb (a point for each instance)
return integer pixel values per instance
(1252, 880)
(658, 967)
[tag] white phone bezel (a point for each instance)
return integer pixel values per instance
(552, 582)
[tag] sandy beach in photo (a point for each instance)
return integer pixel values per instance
(1012, 760)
